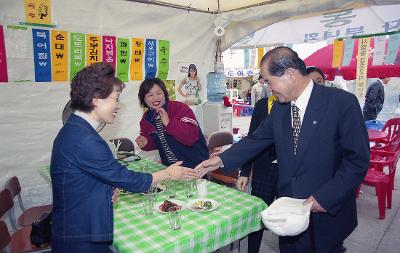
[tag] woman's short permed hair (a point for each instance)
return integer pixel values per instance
(94, 81)
(147, 85)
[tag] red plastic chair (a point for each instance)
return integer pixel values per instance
(381, 182)
(29, 215)
(381, 159)
(392, 127)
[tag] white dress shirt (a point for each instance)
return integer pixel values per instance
(302, 101)
(94, 123)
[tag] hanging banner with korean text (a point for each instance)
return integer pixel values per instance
(253, 54)
(77, 53)
(348, 51)
(3, 58)
(41, 55)
(337, 53)
(123, 59)
(38, 11)
(150, 60)
(362, 67)
(379, 50)
(246, 58)
(393, 47)
(163, 59)
(109, 50)
(137, 59)
(260, 54)
(93, 49)
(59, 54)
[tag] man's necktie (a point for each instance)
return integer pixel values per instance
(296, 126)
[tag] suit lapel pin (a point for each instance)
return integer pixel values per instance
(314, 122)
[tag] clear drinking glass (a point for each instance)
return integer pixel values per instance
(152, 192)
(175, 219)
(189, 187)
(171, 188)
(148, 204)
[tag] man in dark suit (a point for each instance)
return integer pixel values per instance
(322, 147)
(374, 98)
(264, 170)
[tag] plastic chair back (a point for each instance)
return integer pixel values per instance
(392, 127)
(126, 144)
(216, 140)
(219, 139)
(6, 202)
(5, 237)
(374, 124)
(14, 187)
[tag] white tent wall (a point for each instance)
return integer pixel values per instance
(31, 112)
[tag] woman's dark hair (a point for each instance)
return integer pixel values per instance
(94, 81)
(282, 58)
(315, 69)
(147, 85)
(193, 67)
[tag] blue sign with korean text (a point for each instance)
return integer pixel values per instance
(41, 55)
(150, 58)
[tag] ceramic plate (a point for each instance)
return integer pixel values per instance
(180, 203)
(202, 205)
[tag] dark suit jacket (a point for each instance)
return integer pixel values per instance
(374, 99)
(83, 173)
(265, 173)
(332, 158)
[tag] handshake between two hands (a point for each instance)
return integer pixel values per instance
(178, 172)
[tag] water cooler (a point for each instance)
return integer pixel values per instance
(216, 117)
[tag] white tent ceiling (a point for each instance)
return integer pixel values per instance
(211, 6)
(242, 17)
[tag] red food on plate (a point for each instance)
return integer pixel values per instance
(168, 206)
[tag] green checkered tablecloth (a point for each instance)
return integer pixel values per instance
(237, 215)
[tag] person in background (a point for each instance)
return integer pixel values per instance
(170, 127)
(190, 87)
(264, 172)
(374, 98)
(322, 148)
(256, 91)
(83, 170)
(316, 75)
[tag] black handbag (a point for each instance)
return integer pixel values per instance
(41, 231)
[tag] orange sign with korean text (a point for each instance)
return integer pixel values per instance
(93, 49)
(59, 55)
(137, 59)
(38, 11)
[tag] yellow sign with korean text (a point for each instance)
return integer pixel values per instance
(137, 59)
(38, 11)
(362, 67)
(93, 49)
(337, 53)
(59, 55)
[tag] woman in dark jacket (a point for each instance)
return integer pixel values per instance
(265, 171)
(84, 171)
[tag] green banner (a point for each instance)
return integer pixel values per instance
(163, 59)
(77, 53)
(123, 59)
